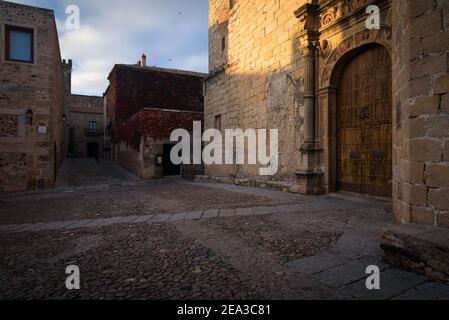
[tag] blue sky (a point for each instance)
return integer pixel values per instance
(172, 33)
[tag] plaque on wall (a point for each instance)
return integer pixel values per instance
(42, 130)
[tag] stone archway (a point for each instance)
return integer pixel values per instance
(327, 101)
(326, 45)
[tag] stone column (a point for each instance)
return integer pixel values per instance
(309, 175)
(309, 94)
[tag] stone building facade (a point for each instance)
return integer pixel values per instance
(32, 110)
(144, 106)
(86, 121)
(358, 109)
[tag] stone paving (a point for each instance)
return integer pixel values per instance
(217, 242)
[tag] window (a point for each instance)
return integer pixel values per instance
(19, 44)
(29, 117)
(93, 126)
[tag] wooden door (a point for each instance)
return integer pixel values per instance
(364, 124)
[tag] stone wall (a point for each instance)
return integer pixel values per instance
(254, 82)
(84, 109)
(421, 88)
(36, 87)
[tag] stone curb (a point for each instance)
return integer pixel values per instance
(158, 218)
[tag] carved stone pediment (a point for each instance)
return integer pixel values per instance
(332, 11)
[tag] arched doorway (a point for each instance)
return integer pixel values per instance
(364, 123)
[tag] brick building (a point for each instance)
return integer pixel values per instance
(357, 109)
(32, 96)
(144, 105)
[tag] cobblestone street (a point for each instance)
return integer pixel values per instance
(174, 239)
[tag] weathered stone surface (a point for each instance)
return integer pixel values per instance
(439, 198)
(438, 126)
(424, 150)
(244, 211)
(160, 218)
(437, 43)
(414, 194)
(425, 105)
(412, 171)
(144, 219)
(416, 128)
(437, 175)
(193, 215)
(319, 263)
(211, 213)
(422, 215)
(429, 65)
(227, 213)
(442, 84)
(394, 282)
(27, 157)
(419, 248)
(446, 150)
(443, 219)
(426, 291)
(419, 8)
(177, 217)
(348, 273)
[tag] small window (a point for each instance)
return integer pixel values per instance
(93, 126)
(218, 122)
(19, 44)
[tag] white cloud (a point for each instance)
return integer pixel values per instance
(173, 33)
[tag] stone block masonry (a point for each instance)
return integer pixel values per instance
(421, 88)
(254, 78)
(280, 65)
(32, 95)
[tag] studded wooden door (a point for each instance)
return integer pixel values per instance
(364, 124)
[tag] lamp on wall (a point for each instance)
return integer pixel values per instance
(29, 117)
(64, 118)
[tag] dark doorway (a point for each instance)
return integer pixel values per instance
(169, 168)
(92, 150)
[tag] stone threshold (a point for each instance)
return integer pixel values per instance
(153, 218)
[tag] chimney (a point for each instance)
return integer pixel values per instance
(143, 60)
